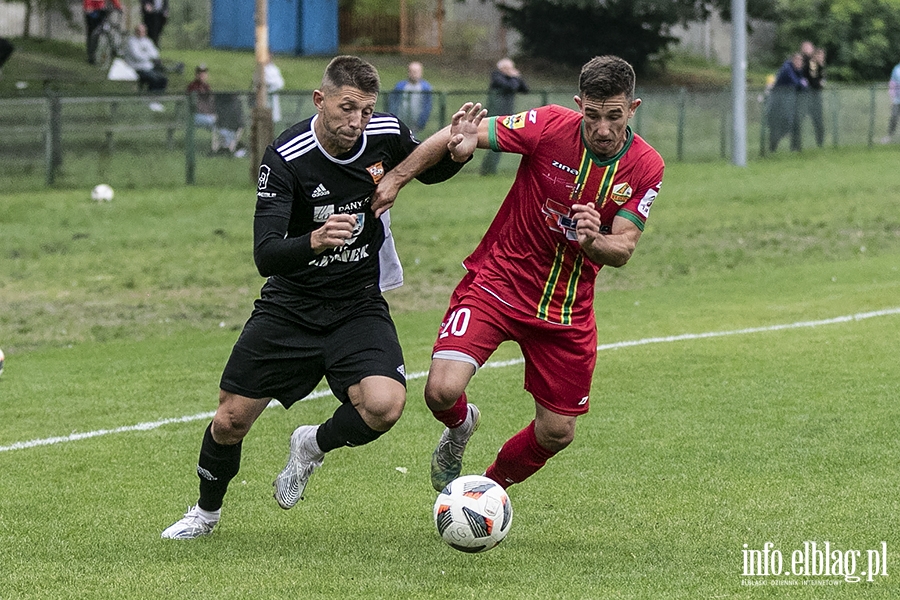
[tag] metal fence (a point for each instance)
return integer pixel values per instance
(138, 140)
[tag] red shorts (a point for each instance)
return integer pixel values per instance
(559, 359)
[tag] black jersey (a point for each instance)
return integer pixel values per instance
(300, 185)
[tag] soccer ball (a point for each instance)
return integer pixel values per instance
(102, 193)
(473, 513)
(2, 360)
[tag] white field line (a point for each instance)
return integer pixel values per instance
(492, 364)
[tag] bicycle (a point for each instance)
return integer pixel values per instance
(108, 40)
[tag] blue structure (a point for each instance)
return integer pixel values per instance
(304, 27)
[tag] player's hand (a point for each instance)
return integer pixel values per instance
(587, 223)
(333, 234)
(464, 131)
(385, 194)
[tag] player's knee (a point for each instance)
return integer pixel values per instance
(392, 410)
(556, 436)
(381, 412)
(230, 424)
(447, 381)
(441, 393)
(229, 428)
(556, 442)
(439, 396)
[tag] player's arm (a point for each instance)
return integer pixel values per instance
(276, 254)
(437, 158)
(273, 251)
(614, 248)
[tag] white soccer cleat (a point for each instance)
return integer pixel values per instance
(192, 525)
(305, 457)
(446, 461)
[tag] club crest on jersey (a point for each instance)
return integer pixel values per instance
(263, 180)
(376, 171)
(621, 193)
(556, 215)
(514, 121)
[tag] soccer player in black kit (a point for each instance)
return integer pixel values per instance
(327, 257)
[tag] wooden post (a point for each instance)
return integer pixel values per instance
(261, 127)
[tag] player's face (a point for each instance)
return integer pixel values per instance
(343, 115)
(605, 121)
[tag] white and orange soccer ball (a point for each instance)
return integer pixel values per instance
(473, 513)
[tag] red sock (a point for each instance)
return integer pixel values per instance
(453, 417)
(519, 458)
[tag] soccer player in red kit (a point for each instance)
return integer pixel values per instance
(581, 196)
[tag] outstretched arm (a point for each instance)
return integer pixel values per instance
(460, 138)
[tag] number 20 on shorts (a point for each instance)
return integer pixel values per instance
(456, 324)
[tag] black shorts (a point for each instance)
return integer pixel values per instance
(276, 357)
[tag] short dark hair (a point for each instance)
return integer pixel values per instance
(603, 77)
(351, 71)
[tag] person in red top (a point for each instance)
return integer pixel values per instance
(205, 102)
(95, 12)
(579, 201)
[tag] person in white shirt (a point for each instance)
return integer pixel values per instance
(143, 56)
(274, 82)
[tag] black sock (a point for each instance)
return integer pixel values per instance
(345, 428)
(217, 466)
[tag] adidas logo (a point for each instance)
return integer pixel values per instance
(206, 474)
(402, 370)
(320, 191)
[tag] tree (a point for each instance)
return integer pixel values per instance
(573, 31)
(860, 37)
(61, 7)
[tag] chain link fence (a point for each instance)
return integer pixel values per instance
(141, 140)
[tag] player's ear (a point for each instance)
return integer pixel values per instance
(578, 101)
(634, 104)
(319, 99)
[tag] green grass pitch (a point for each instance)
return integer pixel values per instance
(747, 392)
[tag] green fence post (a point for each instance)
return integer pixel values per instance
(835, 117)
(679, 144)
(872, 116)
(53, 137)
(723, 134)
(190, 158)
(763, 119)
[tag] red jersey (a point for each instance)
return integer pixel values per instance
(94, 5)
(530, 258)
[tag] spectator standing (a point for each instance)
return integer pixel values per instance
(95, 12)
(506, 82)
(411, 98)
(814, 72)
(155, 13)
(143, 56)
(894, 91)
(274, 82)
(205, 104)
(783, 116)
